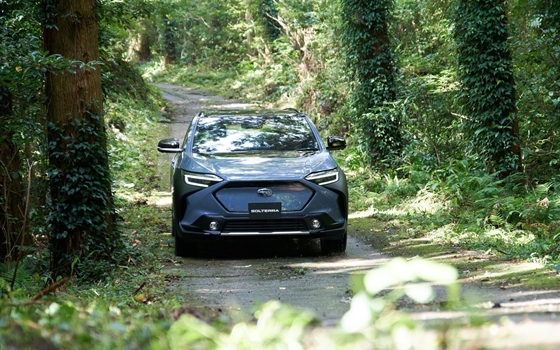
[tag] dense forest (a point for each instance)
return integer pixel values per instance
(422, 89)
(453, 103)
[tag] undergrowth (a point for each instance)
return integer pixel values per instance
(215, 81)
(466, 208)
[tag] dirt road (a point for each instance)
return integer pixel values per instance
(240, 274)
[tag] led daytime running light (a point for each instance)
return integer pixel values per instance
(324, 177)
(201, 180)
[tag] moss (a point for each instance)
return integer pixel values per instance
(371, 232)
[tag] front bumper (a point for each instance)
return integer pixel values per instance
(202, 214)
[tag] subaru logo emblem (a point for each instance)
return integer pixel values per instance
(264, 192)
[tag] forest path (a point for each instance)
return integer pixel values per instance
(236, 276)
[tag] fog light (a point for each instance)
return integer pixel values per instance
(214, 225)
(315, 223)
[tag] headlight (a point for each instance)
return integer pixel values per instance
(201, 180)
(323, 177)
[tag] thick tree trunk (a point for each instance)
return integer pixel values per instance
(370, 58)
(488, 84)
(81, 217)
(378, 72)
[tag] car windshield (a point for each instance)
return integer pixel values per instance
(242, 134)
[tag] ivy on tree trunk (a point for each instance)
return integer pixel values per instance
(369, 55)
(82, 220)
(488, 86)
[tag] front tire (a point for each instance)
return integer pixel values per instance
(183, 247)
(334, 246)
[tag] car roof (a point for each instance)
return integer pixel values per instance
(251, 113)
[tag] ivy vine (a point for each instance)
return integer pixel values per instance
(488, 86)
(370, 58)
(81, 206)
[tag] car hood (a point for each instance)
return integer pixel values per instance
(261, 168)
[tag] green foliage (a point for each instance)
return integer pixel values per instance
(68, 325)
(382, 128)
(22, 128)
(26, 278)
(440, 190)
(369, 55)
(132, 127)
(492, 213)
(428, 86)
(199, 32)
(462, 205)
(374, 319)
(368, 51)
(488, 90)
(23, 76)
(116, 19)
(305, 66)
(536, 44)
(277, 325)
(80, 203)
(268, 10)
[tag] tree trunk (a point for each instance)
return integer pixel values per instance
(169, 41)
(370, 58)
(488, 84)
(144, 50)
(82, 217)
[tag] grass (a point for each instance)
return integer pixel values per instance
(215, 81)
(398, 233)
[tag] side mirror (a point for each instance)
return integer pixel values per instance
(335, 143)
(169, 146)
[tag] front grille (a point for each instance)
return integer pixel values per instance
(263, 226)
(236, 196)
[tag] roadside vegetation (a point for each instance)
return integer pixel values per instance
(439, 189)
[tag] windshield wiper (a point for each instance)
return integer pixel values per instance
(306, 151)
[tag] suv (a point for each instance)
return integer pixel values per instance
(242, 173)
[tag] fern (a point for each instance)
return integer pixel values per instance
(25, 280)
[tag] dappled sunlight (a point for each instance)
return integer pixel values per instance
(161, 199)
(363, 214)
(514, 300)
(539, 297)
(344, 265)
(374, 211)
(232, 105)
(424, 203)
(503, 269)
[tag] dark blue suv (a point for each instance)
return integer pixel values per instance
(253, 174)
